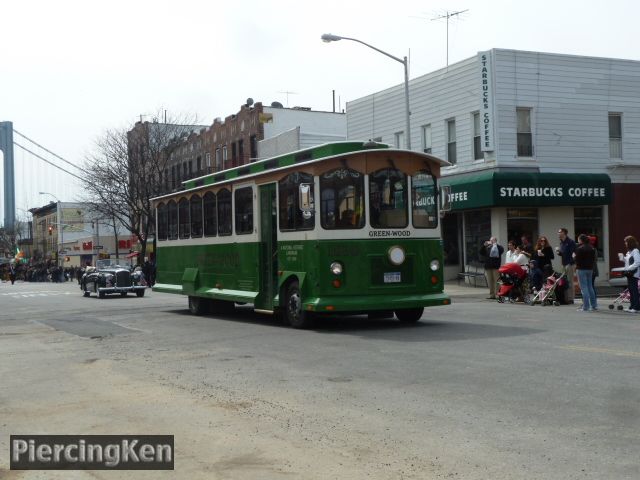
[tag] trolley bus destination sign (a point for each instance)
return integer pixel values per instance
(389, 233)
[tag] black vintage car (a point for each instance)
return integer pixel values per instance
(109, 278)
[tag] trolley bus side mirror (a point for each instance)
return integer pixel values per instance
(305, 198)
(445, 198)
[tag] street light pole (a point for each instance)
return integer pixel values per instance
(328, 37)
(61, 222)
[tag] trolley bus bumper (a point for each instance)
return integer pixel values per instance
(367, 303)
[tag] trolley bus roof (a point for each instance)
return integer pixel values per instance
(299, 158)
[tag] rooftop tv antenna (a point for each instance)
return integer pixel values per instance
(447, 16)
(288, 93)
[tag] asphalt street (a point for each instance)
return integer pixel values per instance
(476, 390)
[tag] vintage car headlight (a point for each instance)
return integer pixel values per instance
(396, 255)
(336, 268)
(434, 265)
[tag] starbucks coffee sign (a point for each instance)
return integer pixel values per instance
(510, 189)
(486, 101)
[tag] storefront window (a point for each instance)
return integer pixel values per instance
(588, 220)
(477, 230)
(522, 222)
(450, 239)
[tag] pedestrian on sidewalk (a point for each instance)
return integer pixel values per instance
(492, 252)
(632, 272)
(543, 254)
(585, 257)
(565, 251)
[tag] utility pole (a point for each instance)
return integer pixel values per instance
(447, 16)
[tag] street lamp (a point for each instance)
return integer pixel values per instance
(328, 37)
(60, 224)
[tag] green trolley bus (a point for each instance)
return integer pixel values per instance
(346, 227)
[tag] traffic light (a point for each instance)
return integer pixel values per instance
(50, 230)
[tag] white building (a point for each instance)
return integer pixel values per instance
(537, 142)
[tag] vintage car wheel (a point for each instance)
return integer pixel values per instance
(410, 315)
(101, 294)
(198, 305)
(123, 294)
(86, 293)
(140, 293)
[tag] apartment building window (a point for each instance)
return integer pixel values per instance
(615, 135)
(207, 160)
(241, 152)
(525, 140)
(253, 146)
(224, 157)
(477, 136)
(399, 139)
(234, 154)
(199, 165)
(451, 142)
(218, 159)
(426, 138)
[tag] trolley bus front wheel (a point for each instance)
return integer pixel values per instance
(198, 306)
(410, 315)
(294, 314)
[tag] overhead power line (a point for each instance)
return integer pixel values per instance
(48, 151)
(49, 162)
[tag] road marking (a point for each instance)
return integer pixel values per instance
(45, 293)
(610, 351)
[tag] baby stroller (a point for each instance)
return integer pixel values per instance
(514, 283)
(623, 298)
(552, 292)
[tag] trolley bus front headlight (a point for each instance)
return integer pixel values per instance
(434, 265)
(396, 255)
(336, 268)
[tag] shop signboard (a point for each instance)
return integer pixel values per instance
(507, 189)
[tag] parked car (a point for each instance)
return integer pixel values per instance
(108, 279)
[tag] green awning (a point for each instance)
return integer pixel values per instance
(518, 189)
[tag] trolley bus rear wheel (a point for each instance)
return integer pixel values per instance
(294, 314)
(410, 315)
(197, 305)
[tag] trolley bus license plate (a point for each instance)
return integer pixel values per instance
(392, 277)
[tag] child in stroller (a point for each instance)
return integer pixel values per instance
(514, 283)
(552, 292)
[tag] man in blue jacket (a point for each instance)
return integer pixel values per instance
(493, 253)
(565, 251)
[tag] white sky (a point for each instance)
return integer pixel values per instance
(71, 69)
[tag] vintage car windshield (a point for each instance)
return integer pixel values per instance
(108, 264)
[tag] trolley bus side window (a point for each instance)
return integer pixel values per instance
(184, 218)
(196, 216)
(424, 204)
(210, 214)
(172, 211)
(342, 199)
(244, 210)
(388, 199)
(162, 221)
(224, 212)
(291, 217)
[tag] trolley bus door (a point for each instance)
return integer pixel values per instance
(268, 247)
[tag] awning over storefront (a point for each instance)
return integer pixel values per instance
(518, 189)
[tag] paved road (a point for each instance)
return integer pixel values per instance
(476, 390)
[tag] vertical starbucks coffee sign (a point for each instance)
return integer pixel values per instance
(486, 101)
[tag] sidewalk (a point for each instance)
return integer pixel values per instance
(452, 289)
